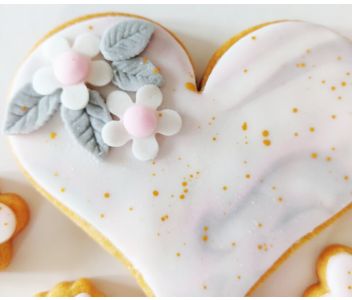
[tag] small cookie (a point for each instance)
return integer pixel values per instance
(334, 269)
(14, 216)
(80, 288)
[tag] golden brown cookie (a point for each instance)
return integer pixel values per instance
(334, 270)
(14, 216)
(80, 288)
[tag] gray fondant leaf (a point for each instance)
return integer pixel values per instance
(86, 124)
(126, 40)
(131, 74)
(28, 110)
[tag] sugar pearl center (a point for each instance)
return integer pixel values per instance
(71, 68)
(140, 121)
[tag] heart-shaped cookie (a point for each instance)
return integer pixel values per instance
(263, 156)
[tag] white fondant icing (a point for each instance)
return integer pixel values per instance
(280, 184)
(339, 275)
(100, 73)
(75, 97)
(87, 44)
(7, 223)
(55, 46)
(149, 95)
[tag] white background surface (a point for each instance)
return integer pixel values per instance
(52, 248)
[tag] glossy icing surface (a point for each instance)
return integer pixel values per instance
(263, 157)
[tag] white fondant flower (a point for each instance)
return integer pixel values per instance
(139, 121)
(71, 68)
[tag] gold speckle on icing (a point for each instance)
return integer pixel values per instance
(328, 158)
(295, 110)
(214, 138)
(130, 209)
(311, 129)
(323, 81)
(102, 216)
(339, 58)
(184, 183)
(273, 187)
(267, 142)
(260, 225)
(308, 51)
(333, 148)
(24, 108)
(164, 218)
(190, 86)
(185, 191)
(233, 244)
(106, 195)
(156, 70)
(346, 178)
(314, 155)
(155, 193)
(265, 133)
(205, 228)
(178, 254)
(205, 286)
(280, 199)
(253, 37)
(225, 188)
(244, 126)
(53, 135)
(90, 27)
(295, 134)
(333, 117)
(262, 247)
(301, 65)
(238, 277)
(245, 71)
(333, 88)
(62, 190)
(182, 197)
(205, 238)
(343, 83)
(56, 174)
(154, 174)
(160, 114)
(248, 176)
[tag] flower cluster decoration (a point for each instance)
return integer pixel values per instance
(69, 78)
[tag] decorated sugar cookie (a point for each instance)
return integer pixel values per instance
(14, 217)
(334, 269)
(217, 184)
(80, 288)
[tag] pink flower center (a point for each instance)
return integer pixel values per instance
(71, 68)
(140, 121)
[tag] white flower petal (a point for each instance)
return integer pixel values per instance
(55, 46)
(75, 97)
(114, 134)
(44, 81)
(118, 102)
(169, 122)
(100, 73)
(87, 44)
(145, 149)
(149, 95)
